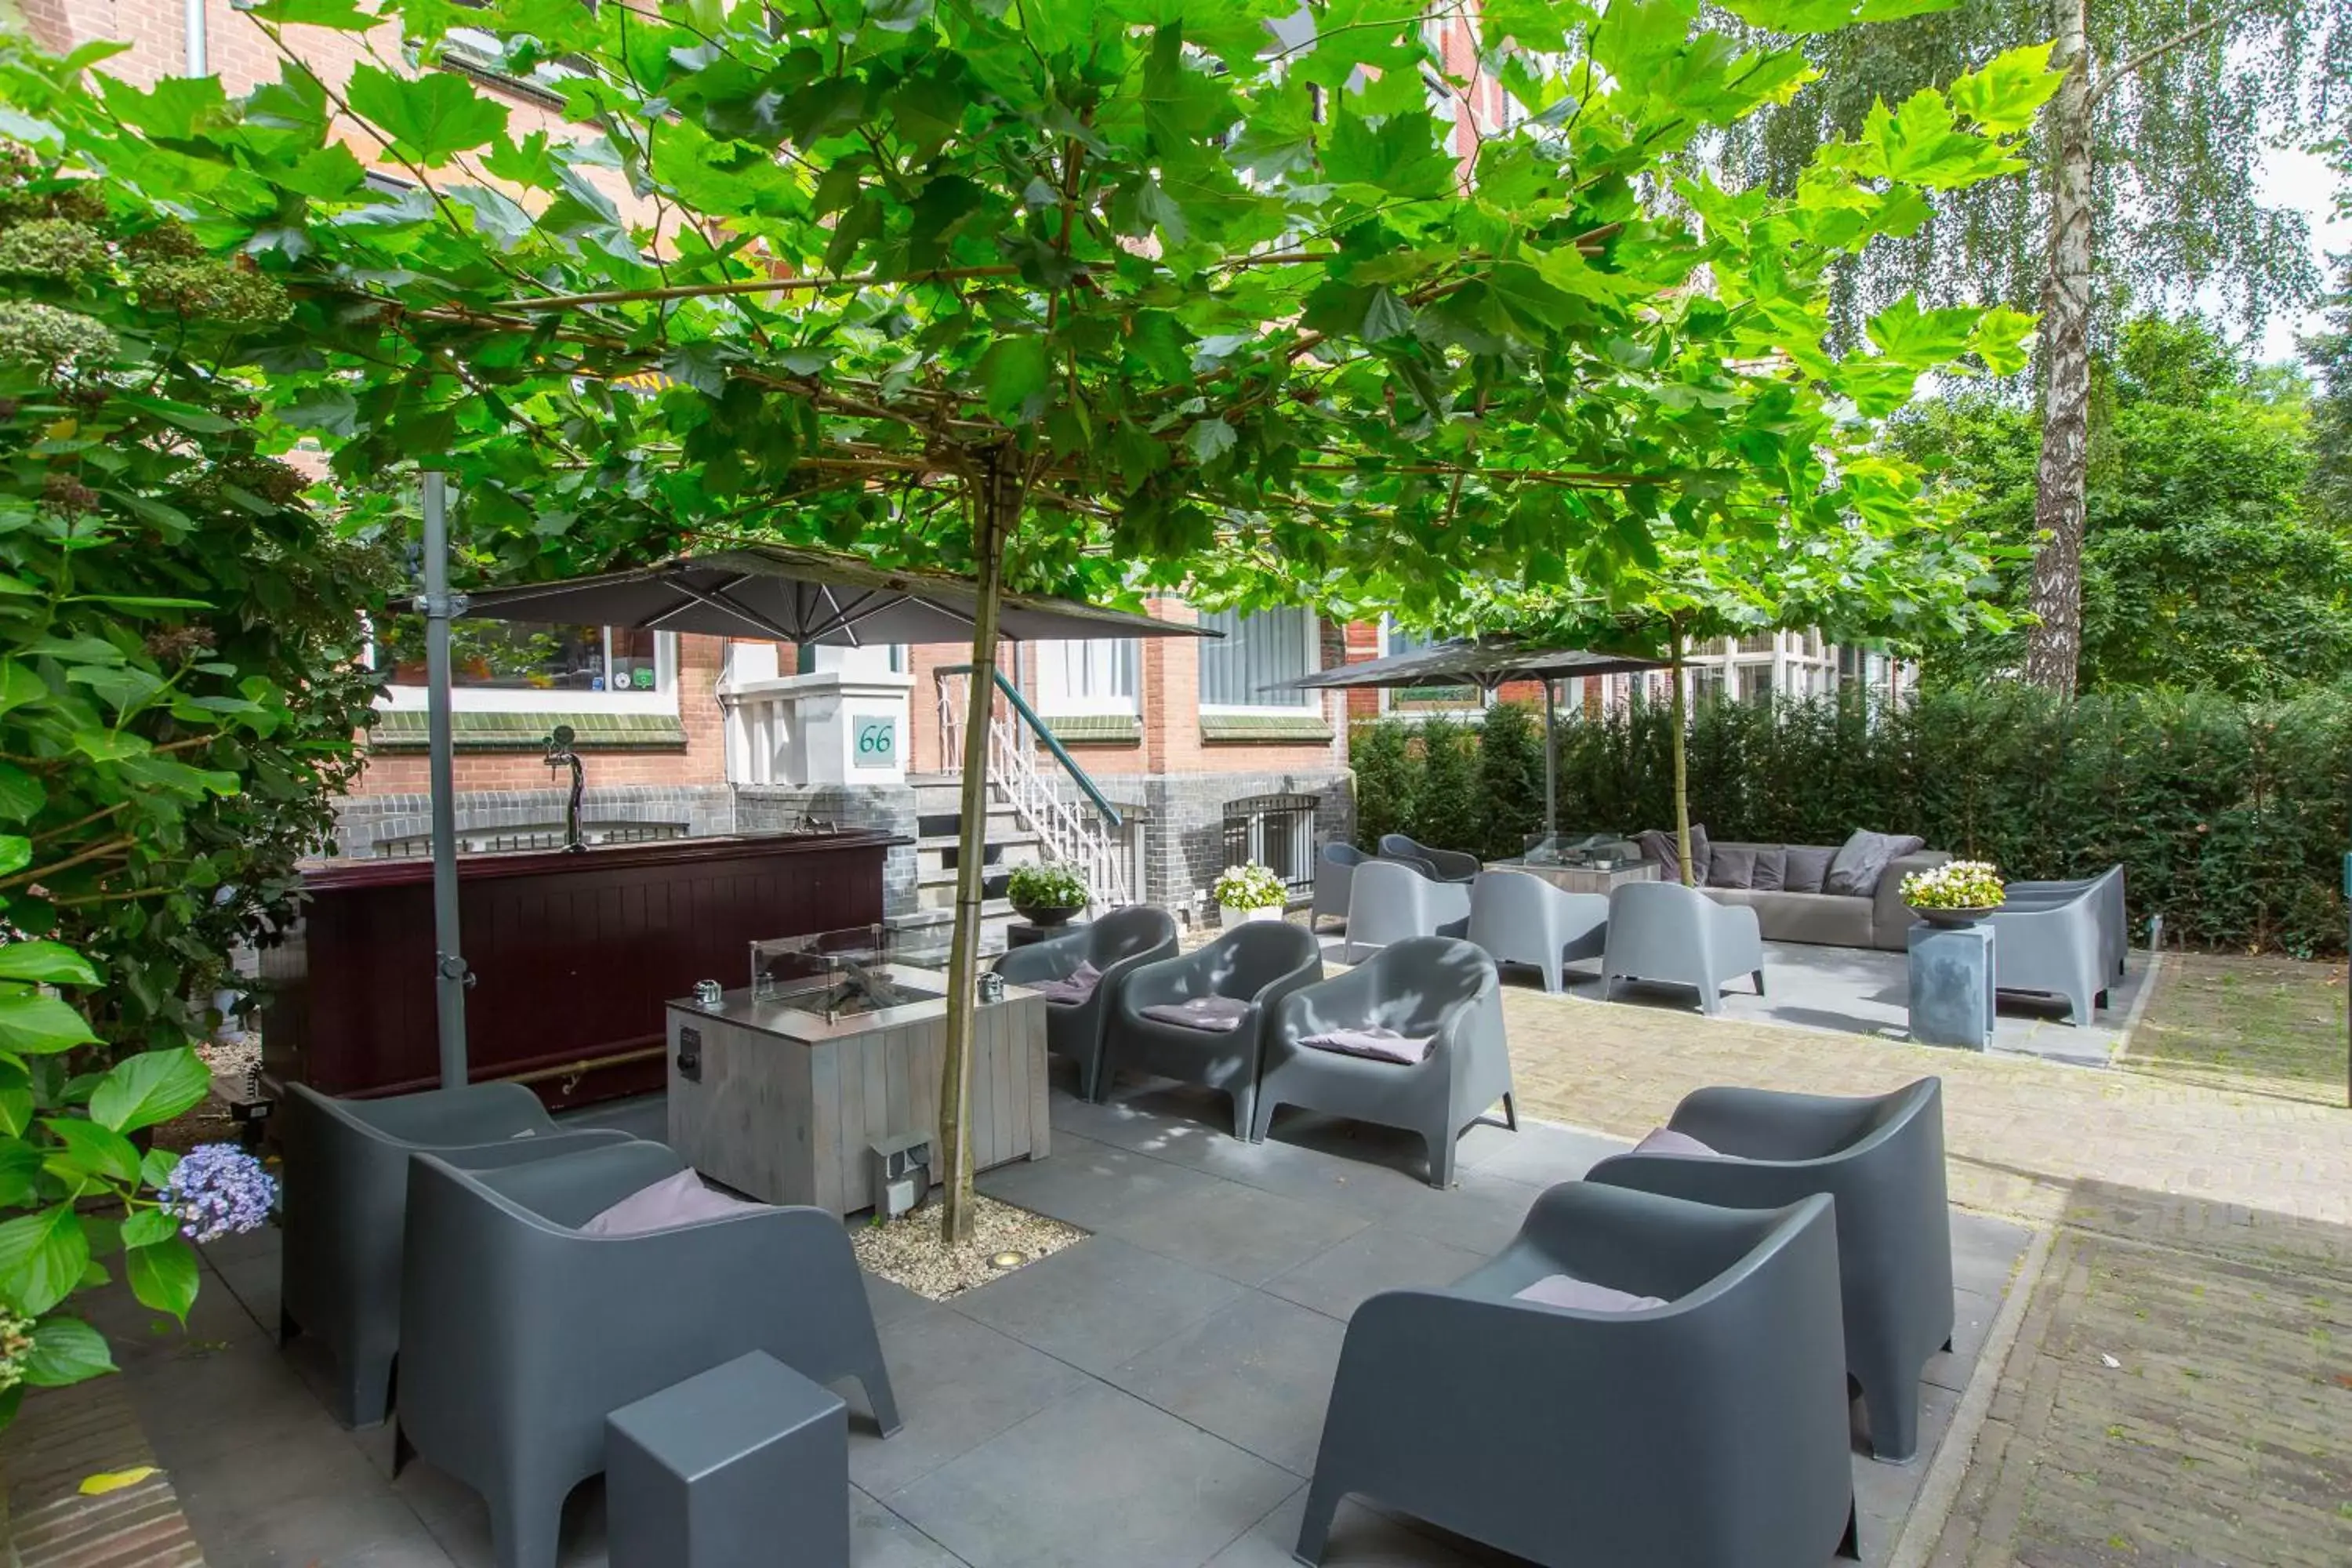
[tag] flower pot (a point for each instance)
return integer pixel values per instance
(1046, 916)
(1229, 917)
(1953, 918)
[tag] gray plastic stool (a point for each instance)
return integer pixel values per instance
(746, 1463)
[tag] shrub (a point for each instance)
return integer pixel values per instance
(1046, 887)
(1510, 778)
(1387, 781)
(1449, 812)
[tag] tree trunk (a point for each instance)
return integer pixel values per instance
(995, 512)
(1680, 721)
(2054, 645)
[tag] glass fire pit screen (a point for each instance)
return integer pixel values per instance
(838, 975)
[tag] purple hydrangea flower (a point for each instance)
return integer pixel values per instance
(219, 1190)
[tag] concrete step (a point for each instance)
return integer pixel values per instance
(1002, 854)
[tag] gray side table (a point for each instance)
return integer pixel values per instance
(1951, 985)
(746, 1463)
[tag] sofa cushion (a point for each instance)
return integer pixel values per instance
(1814, 917)
(1568, 1290)
(1218, 1014)
(1771, 869)
(1659, 845)
(675, 1199)
(1376, 1041)
(1666, 1140)
(1805, 865)
(1073, 987)
(1861, 859)
(1731, 866)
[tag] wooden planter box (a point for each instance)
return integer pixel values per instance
(780, 1105)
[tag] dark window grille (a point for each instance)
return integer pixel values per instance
(1276, 831)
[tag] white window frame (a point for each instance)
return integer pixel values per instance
(661, 699)
(1311, 705)
(1054, 702)
(1473, 709)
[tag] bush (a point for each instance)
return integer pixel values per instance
(2230, 817)
(1510, 778)
(1387, 780)
(1451, 814)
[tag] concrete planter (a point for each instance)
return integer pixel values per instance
(1228, 918)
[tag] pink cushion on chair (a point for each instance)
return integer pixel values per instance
(1075, 986)
(1568, 1290)
(673, 1201)
(1378, 1042)
(1666, 1140)
(1218, 1014)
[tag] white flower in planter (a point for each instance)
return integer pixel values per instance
(1249, 892)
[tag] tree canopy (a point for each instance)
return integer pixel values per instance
(2202, 568)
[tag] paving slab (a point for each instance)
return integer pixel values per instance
(1099, 1303)
(1256, 1373)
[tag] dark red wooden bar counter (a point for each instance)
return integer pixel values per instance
(573, 955)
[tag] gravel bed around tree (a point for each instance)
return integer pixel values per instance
(909, 1252)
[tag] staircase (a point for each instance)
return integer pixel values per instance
(938, 813)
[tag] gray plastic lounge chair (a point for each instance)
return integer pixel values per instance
(1120, 940)
(1521, 918)
(1425, 985)
(1709, 1432)
(2115, 912)
(1334, 877)
(519, 1334)
(2059, 949)
(1448, 865)
(1392, 902)
(1883, 1161)
(1665, 932)
(1260, 963)
(346, 1192)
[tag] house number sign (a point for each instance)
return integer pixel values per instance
(878, 743)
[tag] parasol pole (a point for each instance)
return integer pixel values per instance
(450, 975)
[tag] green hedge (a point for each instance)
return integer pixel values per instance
(2231, 817)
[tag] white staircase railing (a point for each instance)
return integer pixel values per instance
(1069, 831)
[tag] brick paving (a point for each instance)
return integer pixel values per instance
(2202, 1243)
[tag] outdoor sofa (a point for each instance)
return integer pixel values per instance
(1790, 885)
(1120, 942)
(1882, 1160)
(346, 1200)
(1708, 1429)
(1242, 974)
(520, 1333)
(1426, 987)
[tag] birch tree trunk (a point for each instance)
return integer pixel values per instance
(995, 512)
(1679, 717)
(2054, 646)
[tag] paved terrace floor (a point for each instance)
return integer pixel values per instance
(1149, 1398)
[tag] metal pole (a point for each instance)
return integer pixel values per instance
(194, 54)
(1551, 763)
(450, 975)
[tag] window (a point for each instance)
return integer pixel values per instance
(528, 666)
(1076, 678)
(1248, 666)
(1394, 641)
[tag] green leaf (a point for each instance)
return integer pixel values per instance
(20, 1162)
(31, 1025)
(94, 1149)
(15, 852)
(66, 1351)
(344, 15)
(46, 963)
(1015, 371)
(1210, 439)
(164, 1274)
(428, 117)
(149, 1227)
(2011, 89)
(332, 409)
(42, 1256)
(19, 686)
(1386, 318)
(151, 1086)
(155, 1168)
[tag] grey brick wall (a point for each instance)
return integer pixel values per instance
(1184, 826)
(780, 808)
(363, 822)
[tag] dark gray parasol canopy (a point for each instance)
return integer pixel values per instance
(1487, 663)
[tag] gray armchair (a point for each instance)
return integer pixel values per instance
(2057, 947)
(1392, 901)
(1260, 963)
(519, 1334)
(1120, 942)
(1427, 986)
(1521, 918)
(1665, 932)
(347, 1193)
(1447, 865)
(2114, 910)
(1335, 879)
(1708, 1432)
(1883, 1161)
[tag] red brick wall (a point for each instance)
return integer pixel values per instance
(702, 760)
